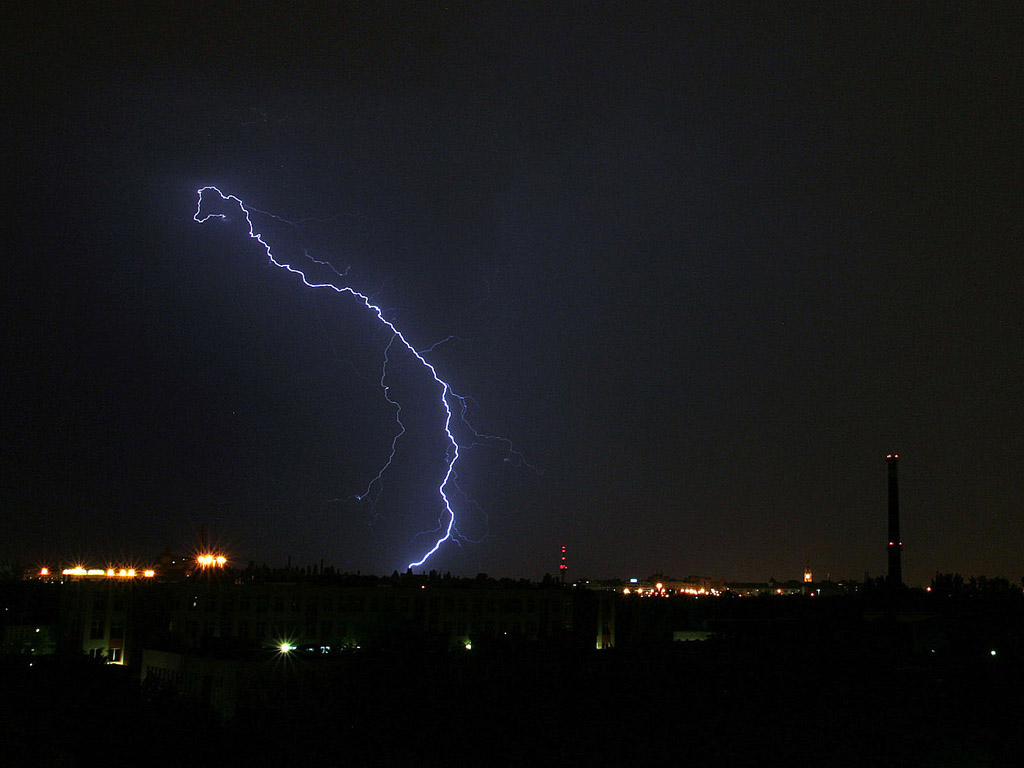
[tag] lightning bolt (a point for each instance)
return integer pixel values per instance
(455, 405)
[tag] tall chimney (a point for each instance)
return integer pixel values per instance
(895, 547)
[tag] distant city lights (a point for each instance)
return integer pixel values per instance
(109, 573)
(211, 561)
(661, 589)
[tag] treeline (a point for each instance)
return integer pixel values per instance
(955, 585)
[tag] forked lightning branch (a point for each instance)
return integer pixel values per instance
(454, 405)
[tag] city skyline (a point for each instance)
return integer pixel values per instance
(176, 562)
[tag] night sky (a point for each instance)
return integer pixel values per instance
(705, 267)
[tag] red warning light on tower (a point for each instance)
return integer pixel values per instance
(563, 566)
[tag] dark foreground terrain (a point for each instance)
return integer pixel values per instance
(780, 682)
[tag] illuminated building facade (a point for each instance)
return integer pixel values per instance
(104, 617)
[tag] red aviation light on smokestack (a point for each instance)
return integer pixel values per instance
(895, 577)
(563, 566)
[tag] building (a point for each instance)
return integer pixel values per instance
(109, 618)
(339, 613)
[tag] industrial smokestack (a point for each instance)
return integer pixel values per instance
(895, 547)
